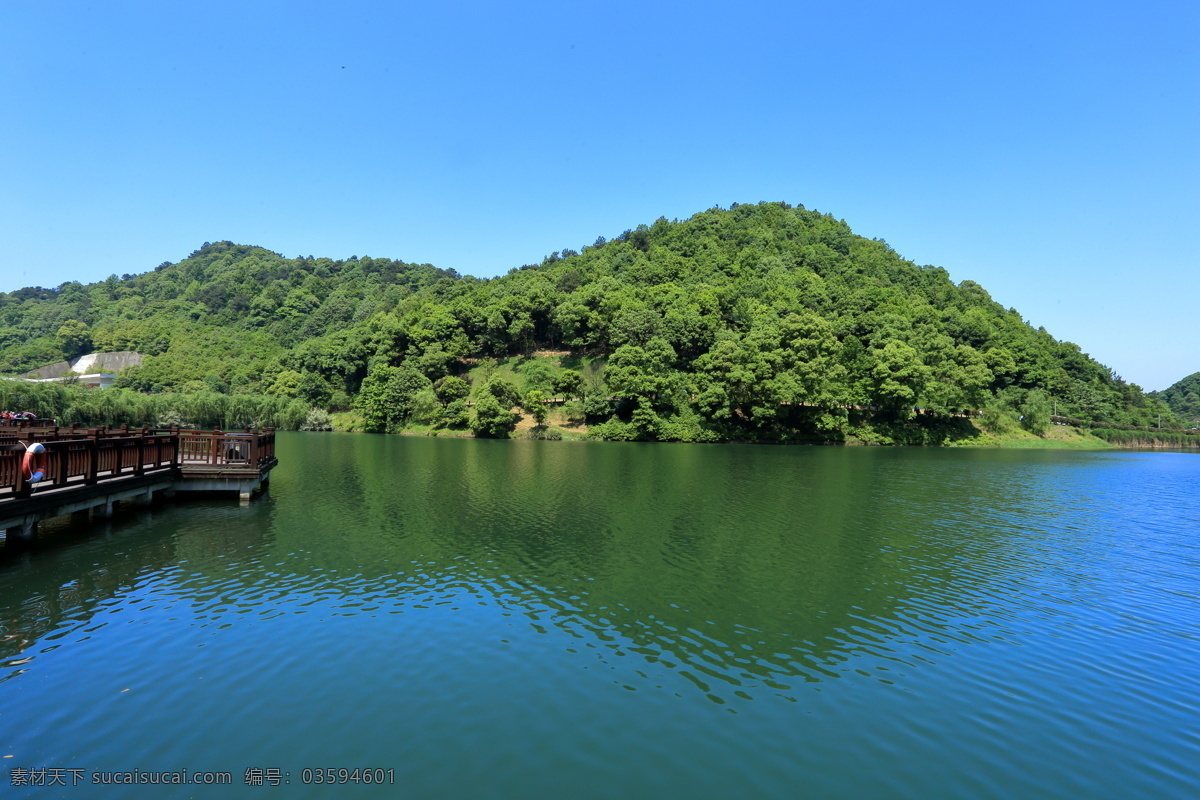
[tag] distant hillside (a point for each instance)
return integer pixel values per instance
(1184, 397)
(756, 322)
(229, 311)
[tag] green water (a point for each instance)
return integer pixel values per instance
(553, 619)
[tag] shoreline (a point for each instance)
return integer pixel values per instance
(1057, 438)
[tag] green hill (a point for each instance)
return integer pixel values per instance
(1184, 397)
(762, 322)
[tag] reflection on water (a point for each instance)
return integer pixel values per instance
(54, 591)
(906, 622)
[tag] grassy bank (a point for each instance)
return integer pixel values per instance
(557, 427)
(1057, 437)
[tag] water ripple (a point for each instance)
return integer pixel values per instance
(1001, 619)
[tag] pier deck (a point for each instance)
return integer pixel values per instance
(98, 468)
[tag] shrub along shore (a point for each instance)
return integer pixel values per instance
(69, 403)
(548, 419)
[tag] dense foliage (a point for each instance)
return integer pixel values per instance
(1184, 397)
(73, 403)
(763, 322)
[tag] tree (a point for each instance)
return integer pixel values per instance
(74, 337)
(386, 397)
(314, 389)
(812, 373)
(646, 384)
(899, 376)
(491, 420)
(568, 385)
(286, 383)
(535, 404)
(457, 414)
(538, 375)
(500, 390)
(1035, 412)
(636, 324)
(998, 416)
(451, 388)
(213, 383)
(573, 411)
(425, 407)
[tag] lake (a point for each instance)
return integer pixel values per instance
(493, 619)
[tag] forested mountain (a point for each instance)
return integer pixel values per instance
(760, 321)
(1184, 397)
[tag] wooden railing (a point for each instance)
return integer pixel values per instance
(217, 448)
(84, 456)
(37, 422)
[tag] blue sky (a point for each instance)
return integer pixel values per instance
(1048, 151)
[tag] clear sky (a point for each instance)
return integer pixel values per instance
(1049, 151)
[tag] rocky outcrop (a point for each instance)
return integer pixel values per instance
(90, 364)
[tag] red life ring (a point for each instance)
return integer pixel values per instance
(34, 463)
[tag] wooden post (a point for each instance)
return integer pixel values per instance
(93, 450)
(21, 488)
(177, 457)
(58, 461)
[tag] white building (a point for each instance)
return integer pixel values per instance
(96, 380)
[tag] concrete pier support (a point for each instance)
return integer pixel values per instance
(144, 500)
(27, 530)
(105, 510)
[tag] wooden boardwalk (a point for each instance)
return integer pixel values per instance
(99, 468)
